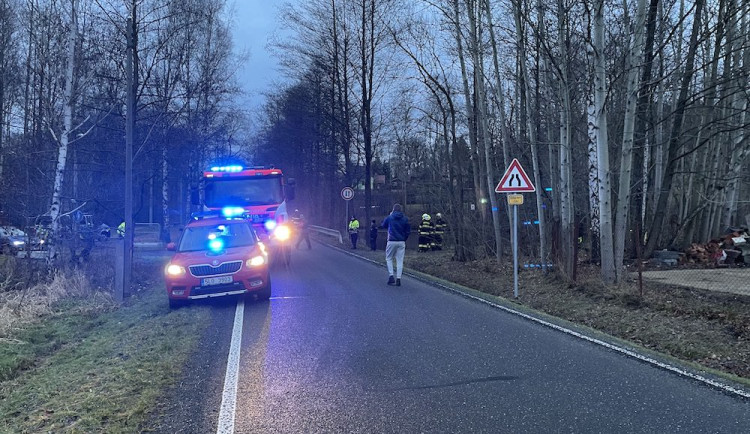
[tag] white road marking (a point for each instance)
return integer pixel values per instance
(229, 396)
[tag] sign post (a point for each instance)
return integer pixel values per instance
(515, 181)
(347, 193)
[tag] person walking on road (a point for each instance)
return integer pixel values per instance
(303, 233)
(354, 231)
(373, 235)
(398, 231)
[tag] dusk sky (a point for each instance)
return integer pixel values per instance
(253, 23)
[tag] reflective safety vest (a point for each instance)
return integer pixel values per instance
(353, 226)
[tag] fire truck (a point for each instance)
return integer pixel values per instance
(259, 194)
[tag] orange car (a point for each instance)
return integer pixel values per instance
(217, 257)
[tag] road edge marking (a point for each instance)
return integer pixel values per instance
(622, 350)
(229, 395)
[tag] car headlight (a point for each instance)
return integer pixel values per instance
(19, 243)
(174, 270)
(256, 261)
(282, 232)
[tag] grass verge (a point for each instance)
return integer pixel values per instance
(94, 370)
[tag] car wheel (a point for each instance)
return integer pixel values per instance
(176, 304)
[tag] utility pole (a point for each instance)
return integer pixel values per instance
(129, 132)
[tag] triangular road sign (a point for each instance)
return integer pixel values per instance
(515, 180)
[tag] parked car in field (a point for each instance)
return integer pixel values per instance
(12, 240)
(217, 257)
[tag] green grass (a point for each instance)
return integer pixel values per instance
(92, 371)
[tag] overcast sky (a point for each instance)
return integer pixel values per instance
(253, 23)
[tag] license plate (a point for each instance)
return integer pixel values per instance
(216, 280)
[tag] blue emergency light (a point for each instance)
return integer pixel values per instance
(232, 211)
(233, 168)
(216, 244)
(270, 225)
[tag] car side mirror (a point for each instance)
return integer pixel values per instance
(171, 247)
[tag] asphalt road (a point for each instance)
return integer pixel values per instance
(337, 350)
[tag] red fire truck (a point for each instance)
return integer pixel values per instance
(258, 193)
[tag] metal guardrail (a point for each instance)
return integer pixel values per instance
(330, 232)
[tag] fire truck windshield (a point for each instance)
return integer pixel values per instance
(250, 191)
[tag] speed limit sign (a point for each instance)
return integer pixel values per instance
(347, 193)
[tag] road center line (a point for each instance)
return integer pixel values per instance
(229, 396)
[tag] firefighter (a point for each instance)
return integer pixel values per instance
(426, 231)
(354, 231)
(121, 229)
(440, 226)
(302, 231)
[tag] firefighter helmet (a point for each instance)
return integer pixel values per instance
(426, 216)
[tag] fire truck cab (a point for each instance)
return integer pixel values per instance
(259, 194)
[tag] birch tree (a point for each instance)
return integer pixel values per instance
(68, 102)
(634, 60)
(606, 241)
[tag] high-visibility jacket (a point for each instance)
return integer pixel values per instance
(426, 231)
(440, 226)
(354, 226)
(121, 229)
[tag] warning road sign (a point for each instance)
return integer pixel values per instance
(515, 180)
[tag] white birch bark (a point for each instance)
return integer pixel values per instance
(593, 175)
(606, 242)
(62, 153)
(635, 58)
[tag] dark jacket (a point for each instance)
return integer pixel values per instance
(398, 226)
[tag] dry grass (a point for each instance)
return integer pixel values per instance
(22, 304)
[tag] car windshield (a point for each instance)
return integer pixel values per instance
(216, 237)
(265, 190)
(10, 231)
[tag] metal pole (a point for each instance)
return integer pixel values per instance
(515, 251)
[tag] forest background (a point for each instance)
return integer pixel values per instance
(630, 117)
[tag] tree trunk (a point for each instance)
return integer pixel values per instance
(635, 56)
(606, 240)
(675, 140)
(531, 118)
(481, 107)
(62, 152)
(469, 106)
